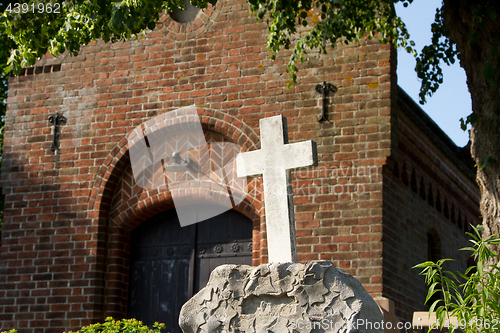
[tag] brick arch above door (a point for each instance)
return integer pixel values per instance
(131, 203)
(128, 211)
(117, 160)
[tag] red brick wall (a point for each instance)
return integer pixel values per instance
(68, 216)
(422, 171)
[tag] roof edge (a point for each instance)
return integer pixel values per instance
(459, 155)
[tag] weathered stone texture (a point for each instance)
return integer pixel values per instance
(286, 297)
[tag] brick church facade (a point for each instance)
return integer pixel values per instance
(390, 191)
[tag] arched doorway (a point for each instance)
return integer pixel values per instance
(169, 263)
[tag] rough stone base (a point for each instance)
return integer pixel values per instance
(315, 297)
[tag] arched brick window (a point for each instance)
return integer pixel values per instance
(433, 254)
(413, 184)
(438, 202)
(422, 189)
(433, 245)
(430, 196)
(395, 170)
(446, 210)
(404, 175)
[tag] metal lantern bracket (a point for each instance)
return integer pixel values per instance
(178, 164)
(324, 89)
(57, 119)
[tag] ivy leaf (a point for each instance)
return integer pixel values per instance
(472, 119)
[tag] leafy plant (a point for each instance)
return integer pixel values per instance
(325, 23)
(469, 302)
(121, 326)
(117, 326)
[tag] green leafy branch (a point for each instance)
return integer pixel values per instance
(78, 23)
(6, 44)
(111, 325)
(428, 67)
(336, 22)
(471, 119)
(471, 298)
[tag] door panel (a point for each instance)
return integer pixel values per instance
(161, 250)
(222, 240)
(169, 263)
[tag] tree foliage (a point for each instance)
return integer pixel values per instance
(471, 300)
(55, 27)
(36, 31)
(328, 23)
(6, 44)
(441, 49)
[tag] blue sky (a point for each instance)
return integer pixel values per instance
(452, 100)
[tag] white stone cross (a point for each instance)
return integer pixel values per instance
(274, 161)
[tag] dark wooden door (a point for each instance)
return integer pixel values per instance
(169, 263)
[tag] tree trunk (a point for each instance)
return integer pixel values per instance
(475, 53)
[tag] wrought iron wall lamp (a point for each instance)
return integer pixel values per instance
(57, 119)
(324, 90)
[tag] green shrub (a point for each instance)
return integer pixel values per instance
(117, 326)
(121, 326)
(469, 302)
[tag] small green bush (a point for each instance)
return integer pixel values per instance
(120, 326)
(117, 326)
(469, 302)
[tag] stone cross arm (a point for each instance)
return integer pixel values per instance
(274, 161)
(296, 155)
